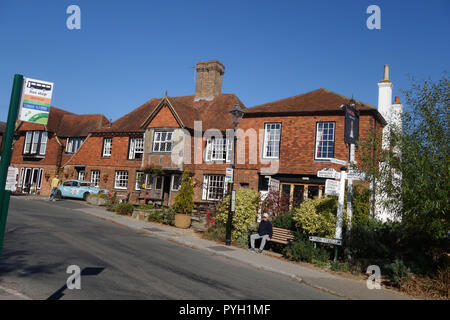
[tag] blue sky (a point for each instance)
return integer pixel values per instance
(130, 51)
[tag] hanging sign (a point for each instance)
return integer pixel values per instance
(351, 130)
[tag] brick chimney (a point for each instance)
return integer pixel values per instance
(209, 79)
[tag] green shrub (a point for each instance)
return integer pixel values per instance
(398, 272)
(318, 216)
(303, 250)
(146, 207)
(184, 200)
(285, 220)
(246, 211)
(243, 240)
(339, 266)
(216, 232)
(124, 208)
(168, 216)
(155, 215)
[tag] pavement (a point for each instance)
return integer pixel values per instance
(326, 282)
(322, 280)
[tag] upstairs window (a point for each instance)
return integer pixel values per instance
(218, 149)
(272, 135)
(35, 143)
(324, 140)
(136, 148)
(162, 141)
(107, 147)
(73, 144)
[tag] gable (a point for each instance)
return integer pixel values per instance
(164, 118)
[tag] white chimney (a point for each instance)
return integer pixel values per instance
(385, 103)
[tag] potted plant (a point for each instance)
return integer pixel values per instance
(184, 202)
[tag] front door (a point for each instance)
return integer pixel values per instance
(157, 189)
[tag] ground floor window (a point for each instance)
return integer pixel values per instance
(140, 180)
(176, 182)
(214, 187)
(81, 174)
(121, 179)
(293, 194)
(95, 177)
(30, 179)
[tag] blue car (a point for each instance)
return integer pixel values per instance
(77, 189)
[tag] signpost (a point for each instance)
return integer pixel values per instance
(336, 242)
(32, 97)
(229, 175)
(338, 161)
(35, 101)
(6, 155)
(328, 173)
(332, 187)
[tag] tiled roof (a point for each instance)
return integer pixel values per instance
(317, 100)
(73, 125)
(54, 121)
(67, 124)
(213, 113)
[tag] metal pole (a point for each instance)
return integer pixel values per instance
(231, 208)
(7, 151)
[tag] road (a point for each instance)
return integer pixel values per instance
(44, 238)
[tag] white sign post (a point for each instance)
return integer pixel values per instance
(332, 187)
(336, 242)
(340, 209)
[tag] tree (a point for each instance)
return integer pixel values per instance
(419, 155)
(184, 201)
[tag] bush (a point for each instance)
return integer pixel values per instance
(398, 272)
(124, 208)
(146, 207)
(155, 215)
(318, 216)
(184, 201)
(243, 241)
(303, 250)
(216, 232)
(285, 221)
(168, 216)
(246, 211)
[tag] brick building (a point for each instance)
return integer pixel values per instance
(142, 155)
(39, 151)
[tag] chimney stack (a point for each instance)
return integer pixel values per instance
(209, 79)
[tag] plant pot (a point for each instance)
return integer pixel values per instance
(182, 221)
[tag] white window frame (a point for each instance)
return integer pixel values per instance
(323, 137)
(158, 141)
(218, 149)
(82, 174)
(136, 147)
(173, 181)
(121, 179)
(210, 182)
(95, 177)
(272, 140)
(149, 181)
(35, 143)
(73, 144)
(137, 185)
(107, 147)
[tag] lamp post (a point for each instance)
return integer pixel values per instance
(236, 115)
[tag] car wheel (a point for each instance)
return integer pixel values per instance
(85, 195)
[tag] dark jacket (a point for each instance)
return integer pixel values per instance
(265, 227)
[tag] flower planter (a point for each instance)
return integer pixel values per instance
(182, 221)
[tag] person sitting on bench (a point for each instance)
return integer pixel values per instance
(264, 233)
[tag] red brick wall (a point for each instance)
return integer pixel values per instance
(164, 118)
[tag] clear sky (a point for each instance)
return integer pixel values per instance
(128, 52)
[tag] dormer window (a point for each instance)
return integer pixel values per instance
(162, 141)
(35, 143)
(73, 144)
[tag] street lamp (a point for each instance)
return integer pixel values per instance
(236, 115)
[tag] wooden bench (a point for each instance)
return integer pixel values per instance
(282, 236)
